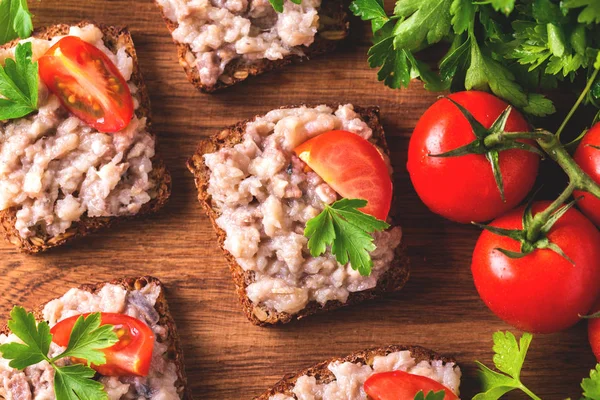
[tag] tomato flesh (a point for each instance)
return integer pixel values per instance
(353, 167)
(400, 385)
(588, 158)
(87, 84)
(131, 355)
(463, 188)
(541, 292)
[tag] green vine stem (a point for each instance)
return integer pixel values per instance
(587, 88)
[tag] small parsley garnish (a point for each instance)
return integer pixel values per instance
(19, 84)
(278, 4)
(348, 231)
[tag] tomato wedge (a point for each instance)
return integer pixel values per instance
(352, 166)
(87, 83)
(400, 385)
(131, 355)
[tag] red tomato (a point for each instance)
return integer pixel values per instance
(594, 332)
(131, 355)
(400, 385)
(352, 166)
(463, 188)
(87, 83)
(541, 292)
(588, 159)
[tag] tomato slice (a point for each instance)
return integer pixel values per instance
(131, 355)
(400, 385)
(87, 83)
(352, 166)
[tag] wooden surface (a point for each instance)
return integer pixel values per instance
(227, 358)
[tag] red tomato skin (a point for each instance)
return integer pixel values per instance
(119, 360)
(588, 159)
(115, 113)
(345, 170)
(400, 385)
(541, 292)
(594, 332)
(463, 188)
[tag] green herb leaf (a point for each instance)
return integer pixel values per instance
(504, 6)
(15, 20)
(74, 382)
(431, 395)
(19, 84)
(36, 340)
(509, 358)
(347, 230)
(590, 14)
(88, 338)
(591, 385)
(370, 10)
(421, 22)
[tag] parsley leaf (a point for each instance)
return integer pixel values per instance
(591, 385)
(15, 20)
(278, 4)
(431, 395)
(370, 10)
(348, 231)
(72, 382)
(590, 14)
(421, 21)
(509, 358)
(505, 6)
(19, 84)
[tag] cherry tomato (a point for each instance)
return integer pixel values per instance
(541, 292)
(131, 355)
(463, 188)
(588, 158)
(400, 385)
(352, 166)
(87, 83)
(594, 332)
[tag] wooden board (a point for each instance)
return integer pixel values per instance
(227, 358)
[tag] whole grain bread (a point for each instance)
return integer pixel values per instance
(366, 357)
(41, 242)
(174, 353)
(333, 28)
(392, 280)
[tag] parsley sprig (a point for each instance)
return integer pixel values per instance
(19, 84)
(278, 4)
(88, 338)
(509, 358)
(15, 20)
(511, 48)
(348, 231)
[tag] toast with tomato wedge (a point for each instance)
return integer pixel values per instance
(387, 373)
(261, 184)
(72, 169)
(146, 362)
(222, 43)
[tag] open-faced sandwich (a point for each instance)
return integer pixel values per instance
(76, 151)
(389, 373)
(112, 341)
(299, 198)
(222, 42)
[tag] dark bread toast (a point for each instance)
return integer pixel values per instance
(392, 280)
(366, 357)
(87, 225)
(174, 353)
(333, 28)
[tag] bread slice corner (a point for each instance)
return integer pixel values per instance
(174, 352)
(324, 375)
(392, 280)
(333, 28)
(113, 35)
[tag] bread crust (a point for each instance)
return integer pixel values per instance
(366, 357)
(159, 173)
(333, 29)
(174, 352)
(392, 280)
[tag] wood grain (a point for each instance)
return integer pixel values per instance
(227, 358)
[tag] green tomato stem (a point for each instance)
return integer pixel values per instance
(497, 138)
(584, 92)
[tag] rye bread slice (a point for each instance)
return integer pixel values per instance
(174, 352)
(392, 280)
(112, 36)
(323, 375)
(333, 28)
